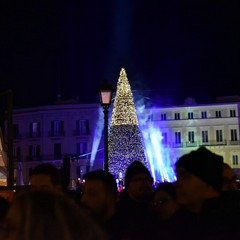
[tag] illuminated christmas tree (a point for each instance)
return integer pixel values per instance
(125, 140)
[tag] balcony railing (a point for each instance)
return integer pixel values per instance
(34, 135)
(209, 143)
(17, 136)
(78, 132)
(236, 142)
(204, 144)
(223, 142)
(56, 134)
(17, 158)
(166, 144)
(33, 158)
(191, 144)
(47, 157)
(177, 145)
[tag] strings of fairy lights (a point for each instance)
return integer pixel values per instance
(124, 111)
(125, 140)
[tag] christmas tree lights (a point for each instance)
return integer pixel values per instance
(125, 140)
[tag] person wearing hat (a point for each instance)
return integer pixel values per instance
(199, 177)
(138, 182)
(204, 209)
(134, 203)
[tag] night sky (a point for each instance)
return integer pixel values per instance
(170, 49)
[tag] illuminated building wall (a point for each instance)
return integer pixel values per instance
(46, 134)
(185, 128)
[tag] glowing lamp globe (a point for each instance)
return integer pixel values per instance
(106, 92)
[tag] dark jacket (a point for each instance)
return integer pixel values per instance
(218, 219)
(136, 218)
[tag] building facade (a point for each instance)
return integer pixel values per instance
(215, 126)
(50, 133)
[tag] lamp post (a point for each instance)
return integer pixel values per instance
(106, 92)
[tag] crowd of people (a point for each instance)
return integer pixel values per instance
(204, 203)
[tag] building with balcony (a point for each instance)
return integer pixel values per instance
(50, 133)
(188, 127)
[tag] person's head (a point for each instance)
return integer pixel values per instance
(46, 214)
(199, 177)
(165, 200)
(138, 182)
(45, 176)
(100, 193)
(229, 179)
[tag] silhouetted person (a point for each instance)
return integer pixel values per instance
(204, 210)
(135, 200)
(165, 201)
(199, 177)
(45, 176)
(100, 196)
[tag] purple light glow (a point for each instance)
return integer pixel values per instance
(161, 165)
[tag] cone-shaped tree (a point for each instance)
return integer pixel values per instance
(125, 140)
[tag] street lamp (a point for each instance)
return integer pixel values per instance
(106, 92)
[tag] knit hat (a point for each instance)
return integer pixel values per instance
(205, 165)
(136, 167)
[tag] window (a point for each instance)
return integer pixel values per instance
(191, 137)
(34, 151)
(57, 151)
(163, 116)
(177, 137)
(34, 129)
(218, 114)
(232, 113)
(219, 136)
(233, 134)
(190, 115)
(150, 117)
(57, 128)
(164, 138)
(205, 136)
(235, 159)
(82, 127)
(17, 153)
(16, 131)
(82, 149)
(177, 116)
(204, 114)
